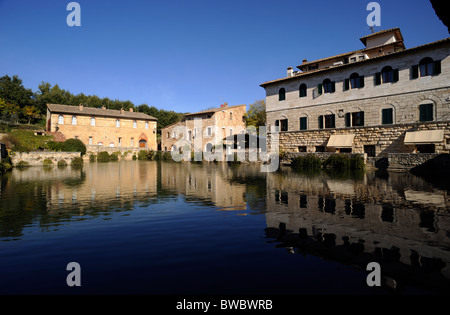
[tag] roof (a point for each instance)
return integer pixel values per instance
(92, 111)
(396, 30)
(302, 74)
(213, 110)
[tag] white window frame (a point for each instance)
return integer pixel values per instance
(134, 124)
(61, 120)
(92, 121)
(74, 120)
(117, 123)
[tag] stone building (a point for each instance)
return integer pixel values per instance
(213, 125)
(103, 127)
(381, 99)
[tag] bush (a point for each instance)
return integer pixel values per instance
(167, 156)
(306, 162)
(48, 162)
(337, 161)
(62, 163)
(134, 157)
(22, 164)
(77, 161)
(114, 157)
(74, 145)
(91, 158)
(54, 146)
(10, 141)
(103, 157)
(357, 162)
(142, 155)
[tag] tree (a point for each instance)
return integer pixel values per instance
(31, 112)
(256, 114)
(13, 91)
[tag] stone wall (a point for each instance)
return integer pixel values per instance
(37, 158)
(407, 161)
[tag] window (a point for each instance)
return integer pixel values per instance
(387, 116)
(277, 125)
(61, 119)
(135, 124)
(386, 75)
(425, 148)
(327, 121)
(284, 125)
(132, 142)
(117, 123)
(208, 131)
(231, 131)
(328, 86)
(354, 119)
(369, 150)
(231, 116)
(426, 112)
(302, 90)
(92, 121)
(120, 141)
(74, 120)
(354, 82)
(146, 125)
(90, 140)
(303, 123)
(426, 67)
(282, 94)
(320, 148)
(302, 148)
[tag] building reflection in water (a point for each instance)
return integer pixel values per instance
(400, 221)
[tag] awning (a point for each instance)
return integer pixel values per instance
(341, 141)
(424, 136)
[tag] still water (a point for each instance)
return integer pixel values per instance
(138, 227)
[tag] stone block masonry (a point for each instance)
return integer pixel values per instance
(37, 158)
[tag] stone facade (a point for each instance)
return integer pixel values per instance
(403, 99)
(213, 125)
(103, 127)
(37, 158)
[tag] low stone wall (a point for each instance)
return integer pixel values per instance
(126, 152)
(407, 161)
(288, 156)
(37, 158)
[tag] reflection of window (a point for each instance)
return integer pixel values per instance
(74, 120)
(61, 120)
(90, 140)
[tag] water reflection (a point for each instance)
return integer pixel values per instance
(398, 220)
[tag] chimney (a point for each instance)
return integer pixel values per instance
(103, 107)
(122, 111)
(305, 61)
(290, 72)
(131, 109)
(81, 106)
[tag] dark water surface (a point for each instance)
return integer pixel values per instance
(140, 227)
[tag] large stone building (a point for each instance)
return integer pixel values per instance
(381, 99)
(103, 127)
(213, 125)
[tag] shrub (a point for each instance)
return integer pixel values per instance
(357, 162)
(62, 163)
(134, 157)
(142, 155)
(48, 162)
(306, 162)
(114, 157)
(91, 158)
(74, 145)
(22, 164)
(166, 156)
(77, 161)
(338, 161)
(10, 141)
(54, 146)
(103, 156)
(158, 156)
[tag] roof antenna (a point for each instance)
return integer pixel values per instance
(371, 29)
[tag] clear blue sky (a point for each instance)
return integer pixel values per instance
(188, 55)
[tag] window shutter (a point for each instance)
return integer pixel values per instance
(319, 88)
(429, 112)
(414, 72)
(303, 123)
(347, 120)
(377, 78)
(395, 75)
(333, 87)
(437, 67)
(333, 121)
(422, 113)
(362, 119)
(361, 81)
(346, 84)
(321, 122)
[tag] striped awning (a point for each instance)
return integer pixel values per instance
(424, 136)
(341, 141)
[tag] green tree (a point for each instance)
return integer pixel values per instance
(31, 112)
(13, 91)
(256, 114)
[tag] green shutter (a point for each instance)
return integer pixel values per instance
(437, 67)
(387, 116)
(346, 84)
(333, 121)
(395, 75)
(321, 122)
(361, 81)
(429, 112)
(333, 87)
(303, 123)
(319, 89)
(422, 113)
(377, 78)
(414, 72)
(362, 119)
(348, 120)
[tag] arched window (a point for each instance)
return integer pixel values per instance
(387, 74)
(328, 86)
(92, 121)
(282, 94)
(74, 120)
(426, 67)
(135, 124)
(426, 112)
(117, 123)
(302, 90)
(61, 119)
(356, 81)
(146, 125)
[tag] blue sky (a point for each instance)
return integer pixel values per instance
(189, 55)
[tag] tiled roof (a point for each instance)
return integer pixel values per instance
(213, 110)
(302, 74)
(396, 30)
(92, 111)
